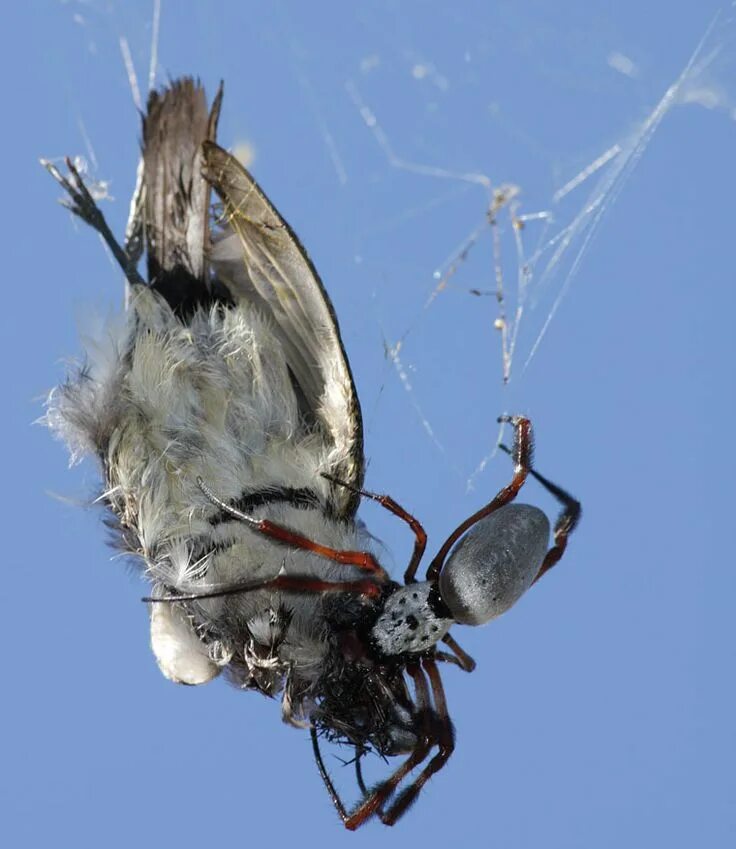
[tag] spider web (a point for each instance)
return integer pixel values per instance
(535, 218)
(513, 233)
(537, 255)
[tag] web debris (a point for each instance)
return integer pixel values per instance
(623, 159)
(153, 61)
(296, 52)
(549, 245)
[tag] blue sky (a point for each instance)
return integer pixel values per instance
(601, 712)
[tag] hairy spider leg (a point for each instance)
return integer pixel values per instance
(363, 560)
(360, 781)
(443, 736)
(522, 453)
(420, 542)
(461, 658)
(459, 655)
(286, 583)
(566, 523)
(375, 799)
(380, 794)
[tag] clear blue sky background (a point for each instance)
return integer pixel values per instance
(602, 710)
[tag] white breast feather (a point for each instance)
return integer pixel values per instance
(161, 404)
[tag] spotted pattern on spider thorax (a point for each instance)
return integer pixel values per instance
(412, 621)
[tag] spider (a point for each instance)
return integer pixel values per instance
(479, 572)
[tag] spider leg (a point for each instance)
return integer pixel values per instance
(522, 454)
(420, 542)
(359, 771)
(363, 560)
(443, 737)
(376, 798)
(286, 583)
(436, 731)
(566, 523)
(361, 782)
(446, 657)
(461, 657)
(331, 789)
(325, 776)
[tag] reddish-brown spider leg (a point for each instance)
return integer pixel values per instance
(286, 583)
(363, 560)
(420, 542)
(566, 522)
(383, 792)
(522, 454)
(374, 802)
(437, 731)
(443, 738)
(362, 785)
(325, 776)
(461, 657)
(342, 811)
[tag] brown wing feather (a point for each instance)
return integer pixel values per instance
(176, 196)
(259, 258)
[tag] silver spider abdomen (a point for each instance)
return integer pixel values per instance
(495, 563)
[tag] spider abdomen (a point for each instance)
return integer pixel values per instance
(495, 563)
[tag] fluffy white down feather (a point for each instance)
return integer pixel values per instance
(161, 403)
